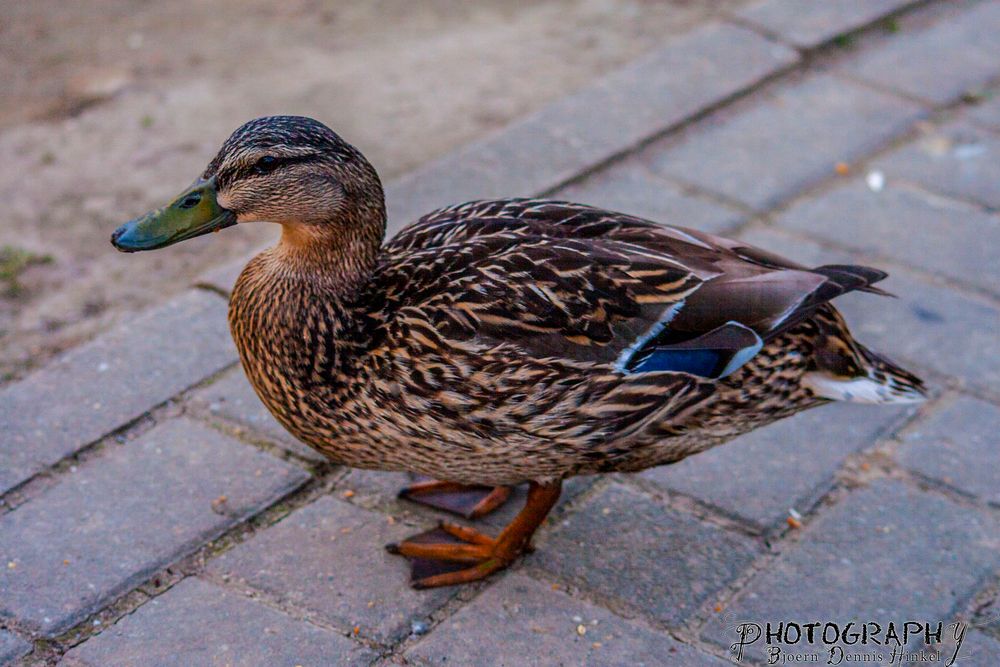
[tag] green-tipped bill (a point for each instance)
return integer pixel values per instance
(194, 212)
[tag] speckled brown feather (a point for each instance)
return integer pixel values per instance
(500, 341)
(480, 349)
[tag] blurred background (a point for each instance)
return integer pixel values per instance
(112, 106)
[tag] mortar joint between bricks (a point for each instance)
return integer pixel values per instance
(168, 576)
(172, 407)
(204, 286)
(290, 609)
(942, 489)
(462, 597)
(769, 215)
(256, 439)
(694, 507)
(697, 191)
(888, 263)
(49, 476)
(874, 28)
(619, 155)
(120, 607)
(956, 104)
(986, 600)
(931, 193)
(951, 390)
(580, 591)
(583, 593)
(770, 35)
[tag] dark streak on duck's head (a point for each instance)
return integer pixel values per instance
(291, 170)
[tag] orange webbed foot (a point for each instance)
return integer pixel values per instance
(465, 500)
(442, 557)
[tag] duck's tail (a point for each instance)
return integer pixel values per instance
(848, 371)
(884, 382)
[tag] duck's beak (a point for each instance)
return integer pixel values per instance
(194, 212)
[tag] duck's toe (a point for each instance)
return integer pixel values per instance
(465, 500)
(442, 556)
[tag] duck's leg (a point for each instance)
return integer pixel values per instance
(465, 500)
(441, 557)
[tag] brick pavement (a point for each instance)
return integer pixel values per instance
(151, 512)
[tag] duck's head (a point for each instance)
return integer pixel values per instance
(290, 170)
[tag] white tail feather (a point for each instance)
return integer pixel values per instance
(858, 389)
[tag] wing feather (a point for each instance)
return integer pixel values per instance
(588, 285)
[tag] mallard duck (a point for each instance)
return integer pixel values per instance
(505, 341)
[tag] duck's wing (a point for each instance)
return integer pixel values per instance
(581, 284)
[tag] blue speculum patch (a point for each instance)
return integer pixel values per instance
(706, 363)
(712, 355)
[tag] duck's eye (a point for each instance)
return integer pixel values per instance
(265, 164)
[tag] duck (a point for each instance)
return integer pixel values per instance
(499, 342)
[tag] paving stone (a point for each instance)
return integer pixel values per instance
(625, 546)
(789, 464)
(649, 95)
(821, 22)
(224, 276)
(124, 514)
(170, 631)
(529, 620)
(920, 327)
(888, 552)
(987, 112)
(977, 650)
(787, 141)
(104, 384)
(630, 188)
(330, 558)
(957, 160)
(939, 63)
(12, 647)
(940, 235)
(377, 489)
(232, 397)
(958, 445)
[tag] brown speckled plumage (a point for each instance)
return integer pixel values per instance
(480, 344)
(502, 341)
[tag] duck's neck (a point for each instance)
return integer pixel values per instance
(292, 310)
(337, 257)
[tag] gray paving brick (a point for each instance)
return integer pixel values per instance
(987, 112)
(122, 515)
(789, 464)
(697, 70)
(977, 650)
(530, 620)
(170, 630)
(948, 237)
(788, 140)
(102, 385)
(920, 327)
(232, 397)
(957, 160)
(958, 445)
(820, 22)
(630, 188)
(12, 647)
(940, 62)
(377, 489)
(330, 558)
(224, 276)
(625, 546)
(885, 553)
